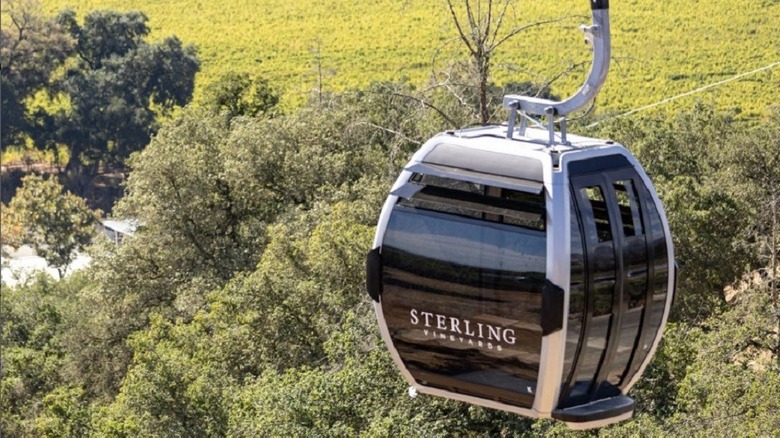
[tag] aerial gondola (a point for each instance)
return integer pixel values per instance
(525, 269)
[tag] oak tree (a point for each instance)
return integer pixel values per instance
(54, 222)
(118, 86)
(32, 47)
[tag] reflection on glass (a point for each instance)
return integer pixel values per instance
(600, 289)
(628, 205)
(591, 355)
(462, 302)
(598, 215)
(576, 295)
(625, 281)
(657, 285)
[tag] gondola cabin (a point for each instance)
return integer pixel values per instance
(526, 269)
(515, 275)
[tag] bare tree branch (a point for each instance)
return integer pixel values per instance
(488, 22)
(422, 102)
(437, 53)
(522, 28)
(391, 131)
(499, 23)
(460, 29)
(572, 66)
(481, 39)
(472, 23)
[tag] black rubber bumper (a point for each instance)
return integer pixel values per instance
(374, 274)
(595, 411)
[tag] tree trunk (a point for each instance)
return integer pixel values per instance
(79, 175)
(773, 264)
(483, 70)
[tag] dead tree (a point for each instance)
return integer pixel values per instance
(481, 31)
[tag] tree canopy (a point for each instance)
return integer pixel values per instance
(238, 307)
(52, 221)
(31, 49)
(118, 85)
(97, 86)
(240, 94)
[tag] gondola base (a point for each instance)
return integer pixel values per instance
(597, 413)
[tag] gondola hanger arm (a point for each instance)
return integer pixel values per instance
(597, 34)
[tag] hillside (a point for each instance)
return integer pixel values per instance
(239, 306)
(660, 49)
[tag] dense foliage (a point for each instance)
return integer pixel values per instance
(239, 94)
(239, 308)
(96, 86)
(118, 84)
(31, 49)
(54, 222)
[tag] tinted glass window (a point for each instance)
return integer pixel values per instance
(598, 218)
(478, 201)
(599, 251)
(462, 299)
(635, 265)
(576, 295)
(625, 279)
(447, 183)
(629, 207)
(658, 284)
(598, 234)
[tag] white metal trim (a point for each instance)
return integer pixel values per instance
(381, 228)
(478, 401)
(553, 345)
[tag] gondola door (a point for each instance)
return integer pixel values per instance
(609, 293)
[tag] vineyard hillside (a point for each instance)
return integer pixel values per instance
(660, 49)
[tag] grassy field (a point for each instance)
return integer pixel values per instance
(660, 48)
